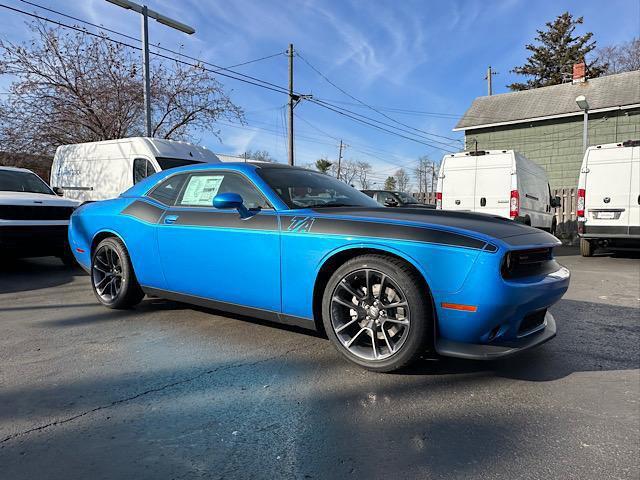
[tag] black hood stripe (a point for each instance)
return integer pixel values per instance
(391, 231)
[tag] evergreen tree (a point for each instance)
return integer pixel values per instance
(323, 165)
(557, 51)
(390, 183)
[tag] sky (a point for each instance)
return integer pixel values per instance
(420, 62)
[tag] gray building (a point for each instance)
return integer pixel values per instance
(546, 124)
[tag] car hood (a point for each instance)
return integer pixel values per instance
(28, 198)
(475, 224)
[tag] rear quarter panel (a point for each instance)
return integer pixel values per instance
(138, 236)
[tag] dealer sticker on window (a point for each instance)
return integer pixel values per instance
(201, 189)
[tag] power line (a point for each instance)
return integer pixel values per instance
(365, 122)
(367, 105)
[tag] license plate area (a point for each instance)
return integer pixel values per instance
(606, 214)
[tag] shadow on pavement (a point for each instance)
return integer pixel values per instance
(22, 275)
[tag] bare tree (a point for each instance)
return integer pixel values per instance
(258, 156)
(620, 58)
(348, 171)
(402, 180)
(363, 170)
(74, 87)
(426, 175)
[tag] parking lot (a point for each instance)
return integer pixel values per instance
(169, 391)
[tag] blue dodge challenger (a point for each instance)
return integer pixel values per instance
(298, 247)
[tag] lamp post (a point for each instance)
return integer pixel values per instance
(584, 106)
(146, 13)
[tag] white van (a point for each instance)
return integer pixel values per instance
(497, 182)
(102, 170)
(608, 201)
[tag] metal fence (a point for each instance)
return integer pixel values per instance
(566, 223)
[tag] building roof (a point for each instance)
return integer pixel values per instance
(610, 92)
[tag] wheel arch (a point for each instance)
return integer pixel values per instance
(338, 257)
(101, 235)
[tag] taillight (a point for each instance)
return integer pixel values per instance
(514, 204)
(580, 202)
(439, 200)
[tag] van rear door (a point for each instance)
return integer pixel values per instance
(607, 177)
(493, 184)
(634, 193)
(458, 183)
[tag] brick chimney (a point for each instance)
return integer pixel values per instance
(579, 72)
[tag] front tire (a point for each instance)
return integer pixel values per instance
(112, 277)
(376, 313)
(586, 248)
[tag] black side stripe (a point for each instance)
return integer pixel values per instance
(144, 211)
(391, 231)
(229, 219)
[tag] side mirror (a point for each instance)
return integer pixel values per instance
(229, 200)
(390, 203)
(556, 202)
(58, 191)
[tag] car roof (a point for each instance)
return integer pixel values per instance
(15, 169)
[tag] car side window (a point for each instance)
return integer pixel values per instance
(202, 187)
(142, 168)
(167, 191)
(383, 197)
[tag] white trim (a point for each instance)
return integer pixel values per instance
(548, 117)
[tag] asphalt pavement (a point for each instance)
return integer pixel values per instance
(171, 391)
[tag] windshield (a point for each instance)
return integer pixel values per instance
(16, 181)
(405, 197)
(300, 188)
(167, 163)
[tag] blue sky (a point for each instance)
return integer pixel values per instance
(425, 56)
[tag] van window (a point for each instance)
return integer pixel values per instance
(167, 192)
(142, 168)
(167, 163)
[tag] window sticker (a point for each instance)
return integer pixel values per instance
(201, 189)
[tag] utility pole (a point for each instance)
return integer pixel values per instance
(146, 14)
(146, 76)
(339, 159)
(488, 78)
(291, 103)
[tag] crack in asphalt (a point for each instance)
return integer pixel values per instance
(147, 392)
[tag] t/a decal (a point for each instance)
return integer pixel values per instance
(301, 224)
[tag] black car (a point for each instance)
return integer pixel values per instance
(396, 199)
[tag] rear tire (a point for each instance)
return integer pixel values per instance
(359, 317)
(112, 277)
(586, 248)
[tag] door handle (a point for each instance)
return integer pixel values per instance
(170, 219)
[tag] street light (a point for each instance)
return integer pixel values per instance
(584, 106)
(146, 13)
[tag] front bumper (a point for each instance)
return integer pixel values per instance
(449, 348)
(33, 240)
